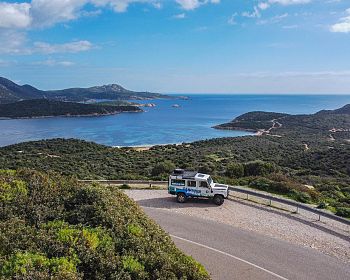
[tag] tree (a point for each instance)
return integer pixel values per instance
(235, 170)
(164, 167)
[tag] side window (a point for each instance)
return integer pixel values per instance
(178, 182)
(191, 184)
(204, 184)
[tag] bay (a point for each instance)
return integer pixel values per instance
(191, 121)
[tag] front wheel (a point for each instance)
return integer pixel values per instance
(218, 199)
(181, 198)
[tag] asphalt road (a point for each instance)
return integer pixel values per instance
(228, 252)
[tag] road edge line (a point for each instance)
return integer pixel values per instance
(231, 256)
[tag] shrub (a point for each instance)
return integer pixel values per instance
(258, 168)
(343, 212)
(124, 187)
(163, 168)
(235, 170)
(75, 231)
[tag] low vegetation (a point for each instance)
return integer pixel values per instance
(45, 107)
(52, 227)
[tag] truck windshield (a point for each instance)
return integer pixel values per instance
(210, 181)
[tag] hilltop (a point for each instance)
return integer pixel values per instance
(44, 108)
(12, 92)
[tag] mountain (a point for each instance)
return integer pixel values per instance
(12, 92)
(44, 108)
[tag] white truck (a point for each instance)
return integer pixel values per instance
(185, 184)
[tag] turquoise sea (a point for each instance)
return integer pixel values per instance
(192, 121)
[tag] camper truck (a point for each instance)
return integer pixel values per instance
(185, 184)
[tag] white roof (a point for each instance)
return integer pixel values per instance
(200, 176)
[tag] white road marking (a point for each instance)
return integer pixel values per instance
(231, 256)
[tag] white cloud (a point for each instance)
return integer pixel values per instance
(343, 26)
(72, 47)
(14, 15)
(180, 16)
(289, 2)
(13, 42)
(232, 19)
(53, 62)
(194, 4)
(263, 5)
(46, 13)
(255, 14)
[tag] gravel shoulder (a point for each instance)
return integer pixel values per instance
(298, 229)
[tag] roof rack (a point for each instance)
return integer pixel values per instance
(185, 174)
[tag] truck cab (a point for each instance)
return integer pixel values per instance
(185, 184)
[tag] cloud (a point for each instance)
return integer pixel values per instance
(289, 2)
(72, 47)
(12, 42)
(194, 4)
(53, 62)
(343, 26)
(16, 43)
(46, 13)
(232, 19)
(255, 14)
(14, 15)
(180, 16)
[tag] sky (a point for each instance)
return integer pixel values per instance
(179, 46)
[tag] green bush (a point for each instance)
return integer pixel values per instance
(343, 212)
(258, 168)
(235, 170)
(163, 168)
(124, 187)
(61, 229)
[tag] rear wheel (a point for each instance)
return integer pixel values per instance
(181, 198)
(218, 199)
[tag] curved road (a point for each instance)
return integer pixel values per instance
(232, 253)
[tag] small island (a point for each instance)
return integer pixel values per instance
(37, 108)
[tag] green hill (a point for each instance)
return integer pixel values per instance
(52, 227)
(45, 107)
(12, 92)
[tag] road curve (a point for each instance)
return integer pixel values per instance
(232, 253)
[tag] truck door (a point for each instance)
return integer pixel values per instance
(192, 188)
(204, 188)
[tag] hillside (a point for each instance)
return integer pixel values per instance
(12, 92)
(53, 227)
(44, 107)
(306, 127)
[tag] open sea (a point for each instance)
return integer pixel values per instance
(164, 124)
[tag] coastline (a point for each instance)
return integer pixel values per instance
(72, 116)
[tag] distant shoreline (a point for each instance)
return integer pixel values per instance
(70, 116)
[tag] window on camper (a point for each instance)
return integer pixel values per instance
(204, 184)
(178, 182)
(191, 184)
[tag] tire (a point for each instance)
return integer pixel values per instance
(181, 197)
(218, 199)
